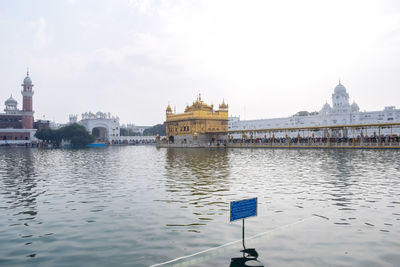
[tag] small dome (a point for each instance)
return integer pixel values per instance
(169, 109)
(223, 105)
(27, 80)
(11, 101)
(326, 109)
(355, 107)
(187, 108)
(340, 88)
(326, 106)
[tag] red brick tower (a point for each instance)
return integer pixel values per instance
(27, 108)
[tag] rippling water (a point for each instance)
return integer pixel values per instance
(139, 206)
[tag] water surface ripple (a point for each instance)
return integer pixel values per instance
(138, 206)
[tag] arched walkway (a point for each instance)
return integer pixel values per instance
(100, 133)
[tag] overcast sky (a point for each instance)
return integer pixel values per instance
(132, 57)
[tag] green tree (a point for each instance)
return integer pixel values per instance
(45, 134)
(128, 132)
(156, 129)
(75, 133)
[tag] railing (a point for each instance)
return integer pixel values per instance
(14, 142)
(313, 144)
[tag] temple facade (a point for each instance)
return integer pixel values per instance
(199, 124)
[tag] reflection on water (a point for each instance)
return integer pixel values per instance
(19, 180)
(20, 192)
(197, 178)
(249, 258)
(140, 206)
(342, 167)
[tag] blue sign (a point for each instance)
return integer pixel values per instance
(243, 209)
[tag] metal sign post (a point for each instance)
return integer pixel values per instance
(242, 209)
(243, 234)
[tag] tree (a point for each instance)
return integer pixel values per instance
(302, 113)
(45, 134)
(128, 132)
(306, 113)
(156, 129)
(75, 133)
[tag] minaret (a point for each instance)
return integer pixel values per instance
(27, 108)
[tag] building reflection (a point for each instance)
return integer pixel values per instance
(200, 170)
(249, 258)
(340, 167)
(198, 178)
(19, 184)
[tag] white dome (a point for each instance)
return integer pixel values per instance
(27, 80)
(11, 101)
(326, 109)
(355, 107)
(340, 88)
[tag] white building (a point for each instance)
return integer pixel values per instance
(340, 113)
(103, 126)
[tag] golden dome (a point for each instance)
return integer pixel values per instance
(223, 105)
(169, 109)
(187, 108)
(199, 105)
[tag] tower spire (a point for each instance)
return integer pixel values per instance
(27, 71)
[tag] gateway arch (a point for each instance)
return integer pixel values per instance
(102, 125)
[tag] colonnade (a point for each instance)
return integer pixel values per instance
(365, 135)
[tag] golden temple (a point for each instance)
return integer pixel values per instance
(198, 124)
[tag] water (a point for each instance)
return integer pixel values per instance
(138, 206)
